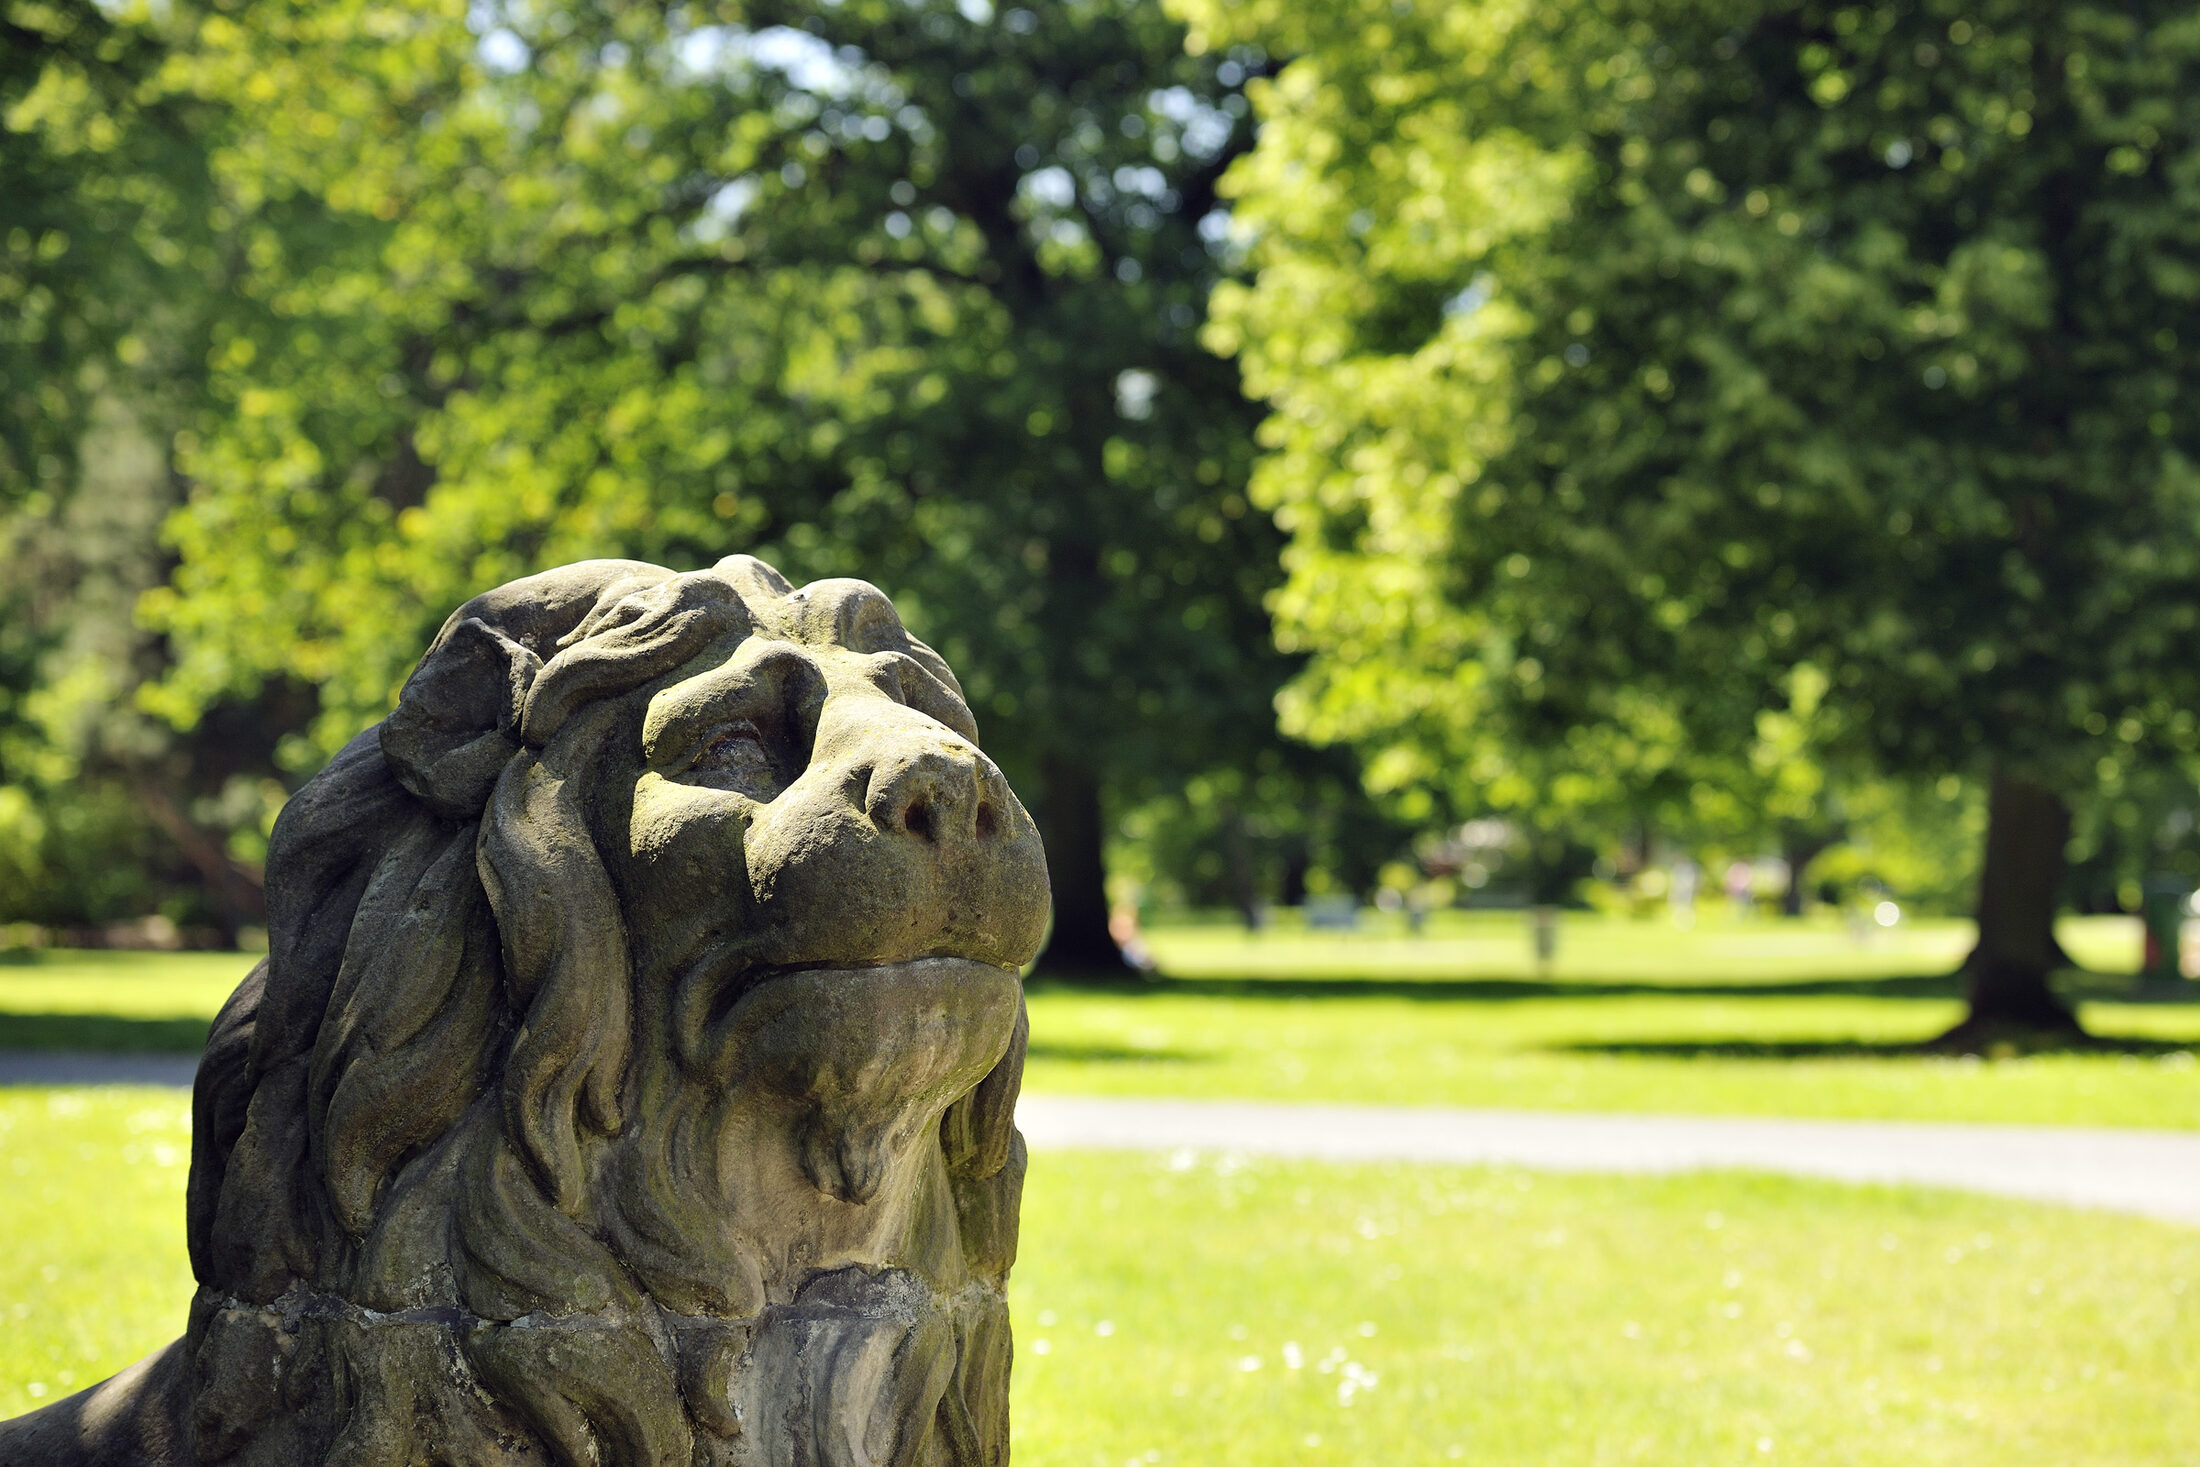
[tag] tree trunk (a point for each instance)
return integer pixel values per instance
(1070, 826)
(233, 891)
(1244, 890)
(1799, 850)
(2027, 827)
(1296, 860)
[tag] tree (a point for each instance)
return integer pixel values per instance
(110, 261)
(1628, 363)
(906, 291)
(102, 189)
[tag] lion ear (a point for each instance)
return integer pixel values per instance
(755, 580)
(457, 722)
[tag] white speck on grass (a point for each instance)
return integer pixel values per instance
(1104, 1328)
(1367, 1329)
(1293, 1357)
(1042, 1347)
(1249, 1364)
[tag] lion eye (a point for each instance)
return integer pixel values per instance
(734, 755)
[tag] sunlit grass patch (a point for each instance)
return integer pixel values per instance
(1716, 948)
(92, 1266)
(1760, 1017)
(1832, 1055)
(1204, 1310)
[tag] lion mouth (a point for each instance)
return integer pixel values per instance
(873, 1055)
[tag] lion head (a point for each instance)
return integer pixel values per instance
(632, 1073)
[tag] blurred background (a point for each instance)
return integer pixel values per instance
(1431, 456)
(1612, 555)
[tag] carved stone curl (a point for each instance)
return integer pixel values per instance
(631, 1078)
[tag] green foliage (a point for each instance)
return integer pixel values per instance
(113, 252)
(1637, 370)
(1288, 822)
(1918, 843)
(865, 288)
(105, 244)
(105, 813)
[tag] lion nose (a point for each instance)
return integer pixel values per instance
(939, 795)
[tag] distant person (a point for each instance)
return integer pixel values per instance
(1417, 905)
(1681, 894)
(1130, 937)
(1738, 881)
(1543, 931)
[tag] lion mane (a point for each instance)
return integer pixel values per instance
(457, 1190)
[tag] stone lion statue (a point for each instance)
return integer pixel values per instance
(632, 1075)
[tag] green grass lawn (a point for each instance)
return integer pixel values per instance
(1717, 949)
(1754, 1017)
(93, 1274)
(1272, 1313)
(129, 1001)
(1734, 1018)
(1207, 1310)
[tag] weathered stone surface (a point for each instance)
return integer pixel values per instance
(632, 1075)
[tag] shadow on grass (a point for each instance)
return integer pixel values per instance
(109, 1032)
(1805, 1049)
(1500, 990)
(2076, 985)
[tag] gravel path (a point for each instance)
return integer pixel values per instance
(2154, 1173)
(63, 1067)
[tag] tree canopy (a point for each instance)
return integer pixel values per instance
(1640, 371)
(906, 291)
(112, 257)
